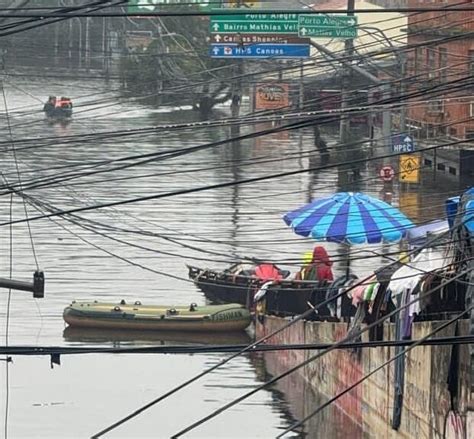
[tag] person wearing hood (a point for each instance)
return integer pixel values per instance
(319, 268)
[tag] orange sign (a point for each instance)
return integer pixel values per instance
(409, 168)
(271, 96)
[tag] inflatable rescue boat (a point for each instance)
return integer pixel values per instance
(229, 317)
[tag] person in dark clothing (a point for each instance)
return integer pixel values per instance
(50, 105)
(319, 268)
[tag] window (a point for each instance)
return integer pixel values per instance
(431, 60)
(443, 63)
(428, 163)
(441, 167)
(435, 106)
(469, 135)
(471, 62)
(471, 109)
(418, 60)
(452, 170)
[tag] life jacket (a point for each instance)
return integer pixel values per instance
(63, 103)
(267, 272)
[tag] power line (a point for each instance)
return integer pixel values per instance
(210, 349)
(309, 360)
(226, 12)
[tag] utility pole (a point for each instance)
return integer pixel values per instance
(385, 88)
(345, 123)
(88, 45)
(56, 44)
(301, 88)
(403, 90)
(236, 97)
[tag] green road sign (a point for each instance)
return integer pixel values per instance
(327, 26)
(255, 23)
(147, 6)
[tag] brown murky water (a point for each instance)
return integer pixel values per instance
(88, 392)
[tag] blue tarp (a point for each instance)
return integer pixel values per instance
(468, 217)
(417, 235)
(452, 209)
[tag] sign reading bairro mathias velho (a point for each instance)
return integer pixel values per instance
(255, 23)
(259, 35)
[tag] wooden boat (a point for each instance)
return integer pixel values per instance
(230, 317)
(285, 297)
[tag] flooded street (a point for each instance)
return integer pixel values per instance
(139, 250)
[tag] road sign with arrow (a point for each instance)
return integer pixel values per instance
(327, 26)
(402, 143)
(257, 35)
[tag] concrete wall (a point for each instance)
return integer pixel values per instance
(367, 409)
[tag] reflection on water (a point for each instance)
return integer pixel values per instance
(300, 399)
(91, 258)
(140, 338)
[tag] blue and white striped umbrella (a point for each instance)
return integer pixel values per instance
(348, 217)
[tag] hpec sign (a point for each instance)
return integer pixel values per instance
(402, 143)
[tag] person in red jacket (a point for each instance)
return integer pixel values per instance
(319, 268)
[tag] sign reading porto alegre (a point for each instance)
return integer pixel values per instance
(327, 26)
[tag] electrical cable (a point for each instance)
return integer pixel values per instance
(231, 348)
(248, 348)
(375, 370)
(32, 243)
(208, 187)
(306, 362)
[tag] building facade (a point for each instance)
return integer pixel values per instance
(440, 72)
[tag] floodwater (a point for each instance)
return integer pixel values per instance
(138, 251)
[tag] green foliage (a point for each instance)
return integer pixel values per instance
(178, 56)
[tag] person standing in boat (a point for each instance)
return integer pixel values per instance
(50, 104)
(319, 268)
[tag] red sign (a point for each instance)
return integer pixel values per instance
(387, 173)
(271, 96)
